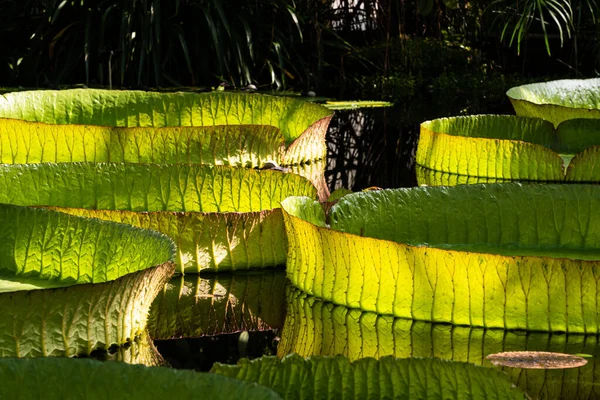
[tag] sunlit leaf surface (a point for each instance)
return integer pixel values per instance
(95, 282)
(558, 101)
(220, 217)
(314, 327)
(497, 256)
(302, 124)
(503, 147)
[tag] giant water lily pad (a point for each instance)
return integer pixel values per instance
(60, 378)
(220, 218)
(294, 377)
(314, 327)
(503, 147)
(558, 101)
(430, 177)
(195, 306)
(302, 125)
(72, 286)
(497, 256)
(25, 142)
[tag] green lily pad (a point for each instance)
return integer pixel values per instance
(503, 147)
(220, 218)
(61, 378)
(25, 142)
(558, 101)
(72, 286)
(353, 105)
(429, 177)
(335, 377)
(302, 125)
(496, 256)
(315, 327)
(143, 109)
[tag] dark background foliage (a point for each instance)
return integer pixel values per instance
(367, 48)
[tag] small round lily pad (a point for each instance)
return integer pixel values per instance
(536, 360)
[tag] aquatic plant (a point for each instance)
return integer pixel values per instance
(505, 148)
(317, 328)
(228, 217)
(72, 286)
(558, 101)
(193, 306)
(59, 378)
(495, 256)
(334, 377)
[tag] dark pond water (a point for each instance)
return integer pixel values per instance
(250, 315)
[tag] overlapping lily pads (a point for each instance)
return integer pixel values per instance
(72, 286)
(429, 177)
(558, 101)
(387, 378)
(314, 327)
(496, 256)
(503, 147)
(299, 125)
(59, 378)
(219, 217)
(237, 132)
(195, 306)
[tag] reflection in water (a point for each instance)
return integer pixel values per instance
(139, 351)
(195, 306)
(79, 320)
(366, 148)
(376, 147)
(314, 327)
(428, 177)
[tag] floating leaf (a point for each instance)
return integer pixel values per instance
(24, 142)
(97, 279)
(193, 306)
(315, 173)
(302, 124)
(389, 377)
(558, 101)
(497, 256)
(60, 378)
(429, 177)
(503, 147)
(314, 327)
(338, 194)
(219, 217)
